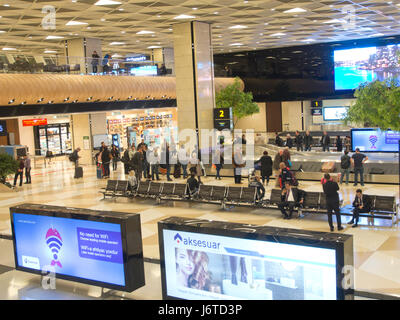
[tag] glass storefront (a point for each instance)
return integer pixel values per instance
(54, 137)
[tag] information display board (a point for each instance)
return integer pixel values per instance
(334, 113)
(223, 119)
(81, 245)
(374, 140)
(3, 128)
(202, 259)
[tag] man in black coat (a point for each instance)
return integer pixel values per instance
(289, 141)
(137, 163)
(106, 159)
(298, 140)
(361, 204)
(325, 141)
(278, 140)
(266, 166)
(307, 141)
(331, 189)
(290, 198)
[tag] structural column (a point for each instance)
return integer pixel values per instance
(194, 72)
(79, 52)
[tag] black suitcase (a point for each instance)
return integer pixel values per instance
(78, 173)
(177, 171)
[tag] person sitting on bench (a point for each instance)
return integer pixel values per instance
(361, 204)
(132, 181)
(290, 198)
(192, 183)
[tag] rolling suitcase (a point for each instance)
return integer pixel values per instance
(78, 173)
(99, 171)
(177, 171)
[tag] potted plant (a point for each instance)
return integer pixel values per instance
(7, 166)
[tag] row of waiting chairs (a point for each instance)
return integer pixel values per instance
(384, 207)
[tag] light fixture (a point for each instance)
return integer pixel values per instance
(295, 10)
(75, 101)
(106, 3)
(54, 37)
(238, 26)
(308, 40)
(51, 101)
(116, 43)
(333, 21)
(279, 34)
(90, 98)
(40, 100)
(66, 99)
(50, 51)
(9, 49)
(236, 44)
(76, 23)
(23, 102)
(154, 47)
(2, 31)
(145, 32)
(184, 16)
(11, 101)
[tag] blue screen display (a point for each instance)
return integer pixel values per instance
(359, 65)
(375, 140)
(77, 248)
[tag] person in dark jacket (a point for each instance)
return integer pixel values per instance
(307, 141)
(331, 189)
(95, 61)
(193, 184)
(339, 144)
(345, 163)
(325, 141)
(290, 198)
(115, 156)
(278, 140)
(298, 140)
(289, 141)
(137, 163)
(127, 159)
(277, 160)
(361, 204)
(105, 160)
(266, 166)
(260, 189)
(20, 172)
(285, 175)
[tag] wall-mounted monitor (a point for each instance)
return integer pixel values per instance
(374, 140)
(93, 247)
(316, 111)
(98, 139)
(206, 260)
(3, 127)
(144, 71)
(358, 65)
(334, 113)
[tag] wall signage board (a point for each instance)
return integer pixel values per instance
(34, 122)
(3, 128)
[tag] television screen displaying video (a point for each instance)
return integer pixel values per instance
(375, 140)
(359, 65)
(144, 71)
(334, 113)
(204, 266)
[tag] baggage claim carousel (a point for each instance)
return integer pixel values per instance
(308, 165)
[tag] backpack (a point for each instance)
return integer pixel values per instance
(71, 157)
(345, 162)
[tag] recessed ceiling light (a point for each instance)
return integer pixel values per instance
(116, 43)
(9, 49)
(279, 34)
(54, 37)
(145, 32)
(184, 16)
(106, 3)
(153, 47)
(238, 27)
(75, 23)
(121, 9)
(102, 19)
(295, 10)
(236, 44)
(6, 5)
(194, 8)
(50, 51)
(216, 12)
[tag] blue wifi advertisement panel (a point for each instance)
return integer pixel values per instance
(84, 249)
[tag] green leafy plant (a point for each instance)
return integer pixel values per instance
(377, 105)
(7, 166)
(241, 102)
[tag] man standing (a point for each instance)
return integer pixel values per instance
(358, 159)
(307, 141)
(325, 141)
(20, 172)
(331, 189)
(105, 160)
(361, 204)
(290, 198)
(74, 157)
(298, 141)
(27, 164)
(95, 61)
(137, 163)
(345, 164)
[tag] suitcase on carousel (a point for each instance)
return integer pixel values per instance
(78, 173)
(328, 167)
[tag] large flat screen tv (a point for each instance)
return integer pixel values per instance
(205, 260)
(334, 113)
(144, 71)
(92, 247)
(374, 140)
(358, 65)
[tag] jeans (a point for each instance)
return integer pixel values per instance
(333, 207)
(307, 148)
(145, 170)
(218, 167)
(184, 170)
(20, 175)
(28, 175)
(325, 148)
(238, 175)
(106, 167)
(289, 205)
(168, 172)
(115, 164)
(344, 172)
(299, 147)
(94, 69)
(154, 171)
(361, 172)
(356, 213)
(265, 178)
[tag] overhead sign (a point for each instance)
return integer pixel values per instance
(34, 122)
(222, 114)
(136, 59)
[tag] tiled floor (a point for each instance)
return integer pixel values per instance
(376, 248)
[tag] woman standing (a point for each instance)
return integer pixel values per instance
(266, 167)
(218, 161)
(115, 155)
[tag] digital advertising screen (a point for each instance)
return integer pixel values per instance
(81, 250)
(375, 140)
(3, 128)
(334, 113)
(199, 266)
(359, 65)
(144, 71)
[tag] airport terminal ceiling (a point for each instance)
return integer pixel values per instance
(125, 26)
